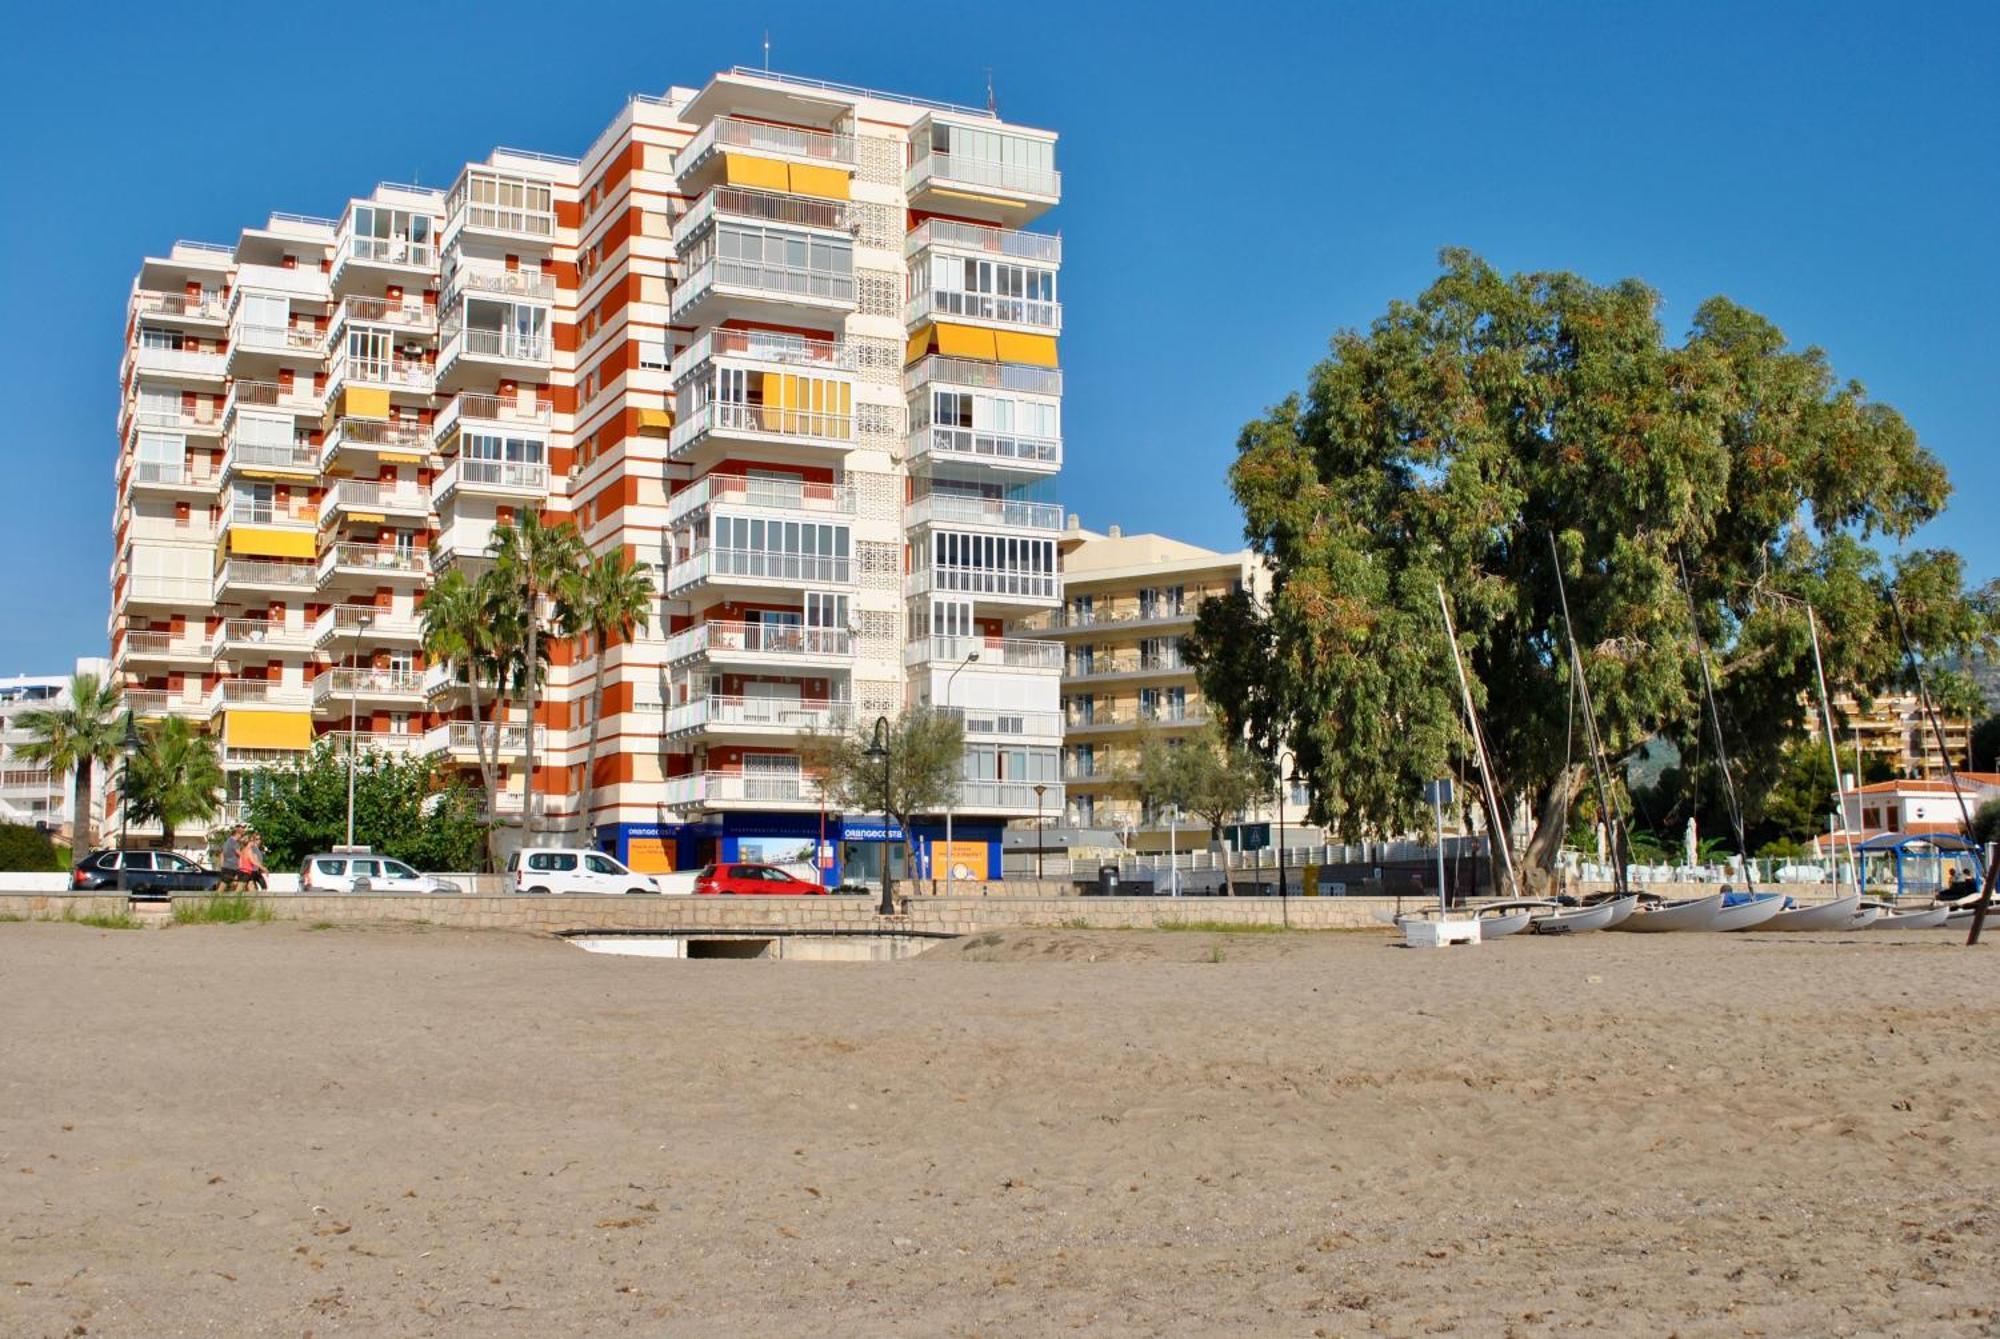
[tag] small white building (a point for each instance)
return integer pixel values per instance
(1914, 807)
(29, 792)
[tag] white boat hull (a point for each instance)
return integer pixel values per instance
(1864, 918)
(1835, 915)
(1748, 915)
(1576, 920)
(1694, 914)
(1503, 924)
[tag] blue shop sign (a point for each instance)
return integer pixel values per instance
(870, 828)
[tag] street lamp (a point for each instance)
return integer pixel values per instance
(951, 803)
(362, 622)
(129, 746)
(1283, 783)
(1040, 841)
(878, 751)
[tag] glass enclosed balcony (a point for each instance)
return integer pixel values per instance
(981, 170)
(737, 790)
(499, 337)
(981, 510)
(757, 716)
(722, 641)
(760, 492)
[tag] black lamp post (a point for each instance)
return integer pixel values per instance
(1040, 841)
(129, 746)
(878, 751)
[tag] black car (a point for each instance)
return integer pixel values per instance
(154, 873)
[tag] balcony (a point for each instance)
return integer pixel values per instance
(811, 286)
(755, 206)
(1132, 718)
(206, 307)
(728, 134)
(1035, 248)
(1013, 313)
(363, 742)
(300, 458)
(364, 499)
(496, 478)
(148, 589)
(1001, 450)
(202, 421)
(993, 652)
(500, 204)
(257, 635)
(297, 398)
(718, 424)
(244, 575)
(1100, 667)
(341, 628)
(163, 648)
(742, 790)
(1159, 613)
(531, 285)
(1001, 176)
(407, 316)
(1005, 724)
(503, 350)
(161, 476)
(776, 645)
(368, 685)
(273, 693)
(285, 342)
(398, 374)
(375, 437)
(177, 363)
(757, 717)
(991, 585)
(460, 740)
(764, 494)
(992, 512)
(383, 253)
(716, 568)
(1015, 798)
(293, 515)
(153, 703)
(371, 562)
(468, 411)
(943, 370)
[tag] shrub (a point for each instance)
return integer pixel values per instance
(24, 848)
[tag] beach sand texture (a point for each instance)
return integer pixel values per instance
(271, 1130)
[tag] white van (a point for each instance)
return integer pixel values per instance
(350, 872)
(550, 869)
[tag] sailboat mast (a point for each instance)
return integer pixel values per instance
(1715, 716)
(1612, 825)
(1833, 750)
(1496, 834)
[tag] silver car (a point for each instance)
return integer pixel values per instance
(367, 874)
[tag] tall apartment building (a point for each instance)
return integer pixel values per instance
(1895, 729)
(1130, 601)
(784, 342)
(30, 794)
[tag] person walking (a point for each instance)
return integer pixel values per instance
(231, 857)
(251, 862)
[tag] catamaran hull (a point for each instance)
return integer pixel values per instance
(1835, 915)
(1498, 927)
(1749, 915)
(1694, 914)
(1576, 920)
(1864, 918)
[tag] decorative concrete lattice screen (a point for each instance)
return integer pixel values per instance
(879, 426)
(879, 361)
(880, 292)
(877, 630)
(877, 225)
(881, 159)
(877, 496)
(880, 566)
(877, 697)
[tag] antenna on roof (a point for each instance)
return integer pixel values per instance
(992, 103)
(767, 51)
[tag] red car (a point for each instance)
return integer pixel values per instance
(741, 879)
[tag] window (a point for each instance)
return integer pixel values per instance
(334, 868)
(993, 564)
(396, 869)
(806, 264)
(788, 550)
(986, 289)
(597, 864)
(551, 862)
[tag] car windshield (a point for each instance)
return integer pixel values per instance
(513, 862)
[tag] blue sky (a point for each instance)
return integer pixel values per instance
(1240, 182)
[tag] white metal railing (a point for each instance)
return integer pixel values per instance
(729, 132)
(468, 406)
(1163, 715)
(298, 397)
(484, 342)
(765, 420)
(1108, 666)
(779, 713)
(374, 558)
(367, 494)
(386, 251)
(408, 372)
(1015, 178)
(381, 311)
(162, 644)
(161, 702)
(161, 472)
(250, 572)
(376, 432)
(206, 307)
(502, 218)
(515, 474)
(367, 683)
(701, 788)
(984, 444)
(204, 420)
(1158, 612)
(262, 455)
(764, 346)
(735, 490)
(987, 581)
(994, 652)
(949, 303)
(535, 285)
(725, 637)
(277, 338)
(972, 509)
(1015, 795)
(760, 565)
(172, 590)
(984, 722)
(942, 369)
(1039, 247)
(250, 632)
(743, 202)
(181, 362)
(344, 742)
(782, 281)
(462, 737)
(266, 692)
(346, 618)
(298, 512)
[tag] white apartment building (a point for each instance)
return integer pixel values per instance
(30, 794)
(785, 342)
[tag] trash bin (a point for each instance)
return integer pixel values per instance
(1107, 880)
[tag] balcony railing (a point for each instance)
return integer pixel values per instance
(367, 683)
(265, 456)
(1159, 611)
(375, 558)
(969, 509)
(1015, 795)
(158, 645)
(726, 638)
(170, 590)
(1012, 178)
(984, 444)
(161, 472)
(205, 420)
(161, 702)
(462, 737)
(707, 788)
(771, 281)
(378, 433)
(251, 633)
(993, 652)
(207, 307)
(177, 362)
(950, 304)
(381, 311)
(534, 285)
(403, 373)
(761, 420)
(1108, 666)
(518, 475)
(731, 133)
(249, 572)
(988, 581)
(1040, 248)
(764, 346)
(743, 202)
(258, 692)
(368, 495)
(299, 512)
(512, 345)
(985, 722)
(1166, 717)
(735, 490)
(386, 251)
(944, 370)
(778, 713)
(759, 565)
(298, 397)
(346, 620)
(277, 338)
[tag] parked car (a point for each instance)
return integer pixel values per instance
(148, 873)
(550, 869)
(367, 874)
(768, 880)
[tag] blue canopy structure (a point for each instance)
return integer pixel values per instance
(1925, 863)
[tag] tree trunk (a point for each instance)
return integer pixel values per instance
(528, 736)
(1538, 861)
(81, 829)
(590, 739)
(1221, 849)
(486, 767)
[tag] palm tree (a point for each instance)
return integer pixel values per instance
(459, 633)
(606, 597)
(175, 778)
(529, 560)
(74, 738)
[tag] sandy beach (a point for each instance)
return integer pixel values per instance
(272, 1130)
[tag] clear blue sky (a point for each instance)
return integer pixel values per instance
(1241, 181)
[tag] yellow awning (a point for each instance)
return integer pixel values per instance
(274, 474)
(765, 174)
(365, 402)
(372, 517)
(267, 729)
(256, 542)
(828, 183)
(399, 457)
(919, 345)
(964, 341)
(655, 419)
(1014, 347)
